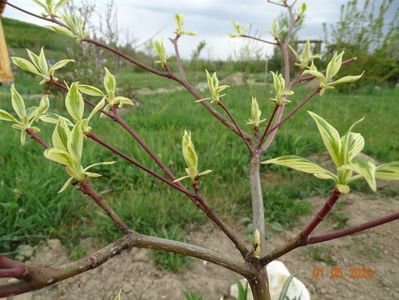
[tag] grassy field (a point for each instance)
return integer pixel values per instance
(31, 210)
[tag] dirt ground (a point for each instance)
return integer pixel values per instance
(359, 267)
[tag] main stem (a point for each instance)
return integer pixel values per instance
(259, 284)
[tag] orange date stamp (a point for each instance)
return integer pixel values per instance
(342, 273)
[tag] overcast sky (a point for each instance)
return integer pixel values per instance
(142, 19)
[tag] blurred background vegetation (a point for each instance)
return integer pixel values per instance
(31, 210)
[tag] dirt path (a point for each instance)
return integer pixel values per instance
(373, 254)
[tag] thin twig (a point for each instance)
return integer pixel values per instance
(36, 138)
(87, 189)
(258, 39)
(179, 62)
(111, 148)
(203, 204)
(288, 116)
(227, 111)
(269, 123)
(139, 140)
(352, 230)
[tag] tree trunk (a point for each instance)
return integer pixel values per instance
(259, 286)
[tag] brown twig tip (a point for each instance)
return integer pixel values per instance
(10, 268)
(35, 137)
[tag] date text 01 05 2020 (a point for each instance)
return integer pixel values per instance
(340, 272)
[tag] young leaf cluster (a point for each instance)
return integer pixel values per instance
(215, 88)
(344, 152)
(51, 7)
(179, 26)
(26, 117)
(38, 65)
(74, 26)
(191, 159)
(67, 150)
(327, 80)
(113, 101)
(281, 92)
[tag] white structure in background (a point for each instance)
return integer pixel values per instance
(278, 274)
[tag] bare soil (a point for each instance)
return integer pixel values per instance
(358, 267)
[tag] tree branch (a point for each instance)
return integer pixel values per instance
(111, 148)
(227, 111)
(301, 239)
(87, 189)
(352, 230)
(258, 39)
(258, 211)
(139, 140)
(36, 138)
(287, 117)
(178, 58)
(35, 278)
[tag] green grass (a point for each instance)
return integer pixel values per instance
(32, 210)
(19, 35)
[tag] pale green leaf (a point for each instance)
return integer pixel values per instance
(90, 90)
(17, 103)
(60, 64)
(301, 164)
(109, 82)
(25, 65)
(5, 116)
(330, 137)
(66, 185)
(74, 102)
(59, 156)
(60, 135)
(43, 62)
(366, 169)
(347, 79)
(75, 143)
(352, 144)
(100, 105)
(104, 163)
(388, 171)
(42, 108)
(23, 137)
(91, 174)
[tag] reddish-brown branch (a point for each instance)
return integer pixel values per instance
(139, 140)
(269, 123)
(258, 39)
(352, 230)
(290, 114)
(32, 14)
(204, 206)
(10, 268)
(111, 148)
(327, 207)
(227, 111)
(36, 138)
(87, 189)
(179, 62)
(127, 57)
